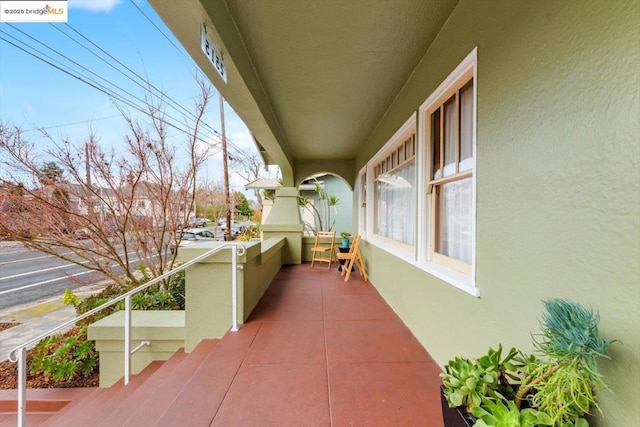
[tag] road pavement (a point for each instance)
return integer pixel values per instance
(36, 314)
(27, 276)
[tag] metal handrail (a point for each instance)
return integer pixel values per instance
(18, 354)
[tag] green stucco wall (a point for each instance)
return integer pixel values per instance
(558, 182)
(337, 187)
(341, 218)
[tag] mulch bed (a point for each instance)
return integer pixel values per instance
(9, 378)
(7, 325)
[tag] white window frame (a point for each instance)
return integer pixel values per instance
(362, 186)
(419, 255)
(403, 250)
(458, 77)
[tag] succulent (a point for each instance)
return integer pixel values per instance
(566, 383)
(497, 413)
(560, 384)
(467, 382)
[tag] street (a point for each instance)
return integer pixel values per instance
(28, 276)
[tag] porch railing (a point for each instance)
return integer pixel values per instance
(18, 354)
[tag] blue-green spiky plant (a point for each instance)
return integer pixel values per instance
(566, 383)
(570, 330)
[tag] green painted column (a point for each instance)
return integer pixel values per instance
(284, 221)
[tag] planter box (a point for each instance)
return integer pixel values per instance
(459, 417)
(455, 417)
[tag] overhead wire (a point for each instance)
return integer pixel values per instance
(238, 153)
(44, 57)
(146, 86)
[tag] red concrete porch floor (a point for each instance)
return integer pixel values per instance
(316, 351)
(329, 353)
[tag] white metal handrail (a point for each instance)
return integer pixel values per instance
(18, 354)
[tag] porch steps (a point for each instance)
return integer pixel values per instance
(41, 405)
(150, 391)
(85, 411)
(44, 405)
(201, 395)
(158, 392)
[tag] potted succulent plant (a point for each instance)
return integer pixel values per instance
(557, 387)
(346, 238)
(346, 242)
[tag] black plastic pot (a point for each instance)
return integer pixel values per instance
(459, 417)
(341, 261)
(455, 417)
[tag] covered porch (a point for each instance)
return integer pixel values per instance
(315, 351)
(319, 351)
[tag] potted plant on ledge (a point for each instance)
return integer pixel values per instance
(557, 388)
(346, 239)
(346, 242)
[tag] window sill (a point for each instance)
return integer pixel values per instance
(451, 276)
(446, 274)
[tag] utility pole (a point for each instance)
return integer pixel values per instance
(227, 198)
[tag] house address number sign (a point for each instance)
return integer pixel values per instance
(211, 52)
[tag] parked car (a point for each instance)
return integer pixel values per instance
(235, 230)
(190, 236)
(82, 233)
(198, 222)
(201, 234)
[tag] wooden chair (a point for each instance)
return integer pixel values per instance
(352, 257)
(320, 248)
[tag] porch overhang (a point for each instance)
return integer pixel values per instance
(310, 79)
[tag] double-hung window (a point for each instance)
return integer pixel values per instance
(449, 120)
(394, 178)
(418, 191)
(362, 201)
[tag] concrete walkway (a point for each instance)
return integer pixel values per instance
(37, 318)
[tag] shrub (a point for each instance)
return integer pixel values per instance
(68, 356)
(177, 289)
(249, 233)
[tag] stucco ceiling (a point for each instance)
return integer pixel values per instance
(309, 78)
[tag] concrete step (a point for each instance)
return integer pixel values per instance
(41, 404)
(86, 411)
(202, 394)
(148, 392)
(149, 402)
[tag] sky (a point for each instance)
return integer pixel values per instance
(99, 36)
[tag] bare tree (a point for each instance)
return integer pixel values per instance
(127, 203)
(248, 168)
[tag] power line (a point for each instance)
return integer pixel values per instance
(181, 51)
(146, 86)
(239, 154)
(115, 96)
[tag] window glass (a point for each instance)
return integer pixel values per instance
(395, 208)
(450, 185)
(450, 137)
(466, 127)
(435, 146)
(395, 192)
(454, 227)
